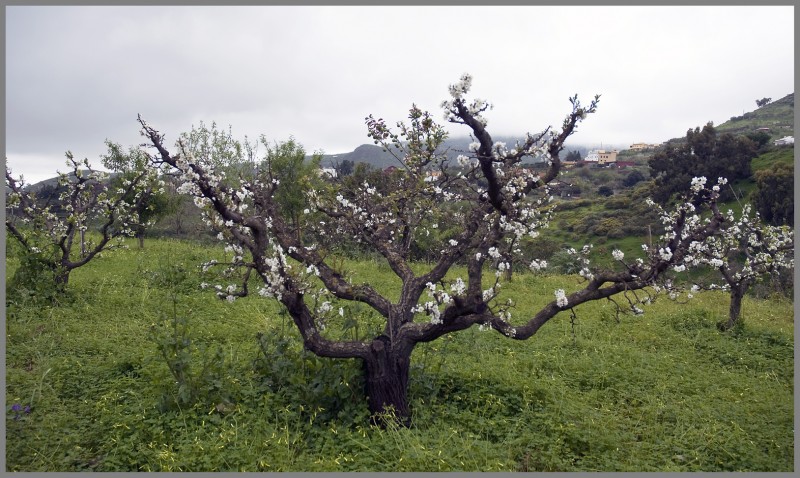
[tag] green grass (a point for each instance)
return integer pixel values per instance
(661, 392)
(781, 155)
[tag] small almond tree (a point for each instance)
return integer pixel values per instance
(744, 252)
(89, 217)
(481, 204)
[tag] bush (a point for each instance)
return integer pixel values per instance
(329, 388)
(610, 227)
(562, 262)
(605, 191)
(33, 280)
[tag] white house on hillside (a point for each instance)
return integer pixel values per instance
(784, 141)
(601, 156)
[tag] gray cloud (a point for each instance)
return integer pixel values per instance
(79, 75)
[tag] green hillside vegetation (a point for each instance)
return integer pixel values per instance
(778, 116)
(621, 221)
(773, 158)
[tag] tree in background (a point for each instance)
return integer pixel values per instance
(605, 190)
(745, 251)
(704, 153)
(345, 168)
(484, 225)
(763, 102)
(633, 178)
(48, 239)
(152, 203)
(774, 198)
(573, 156)
(760, 138)
(287, 161)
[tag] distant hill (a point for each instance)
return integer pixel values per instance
(778, 116)
(53, 182)
(378, 158)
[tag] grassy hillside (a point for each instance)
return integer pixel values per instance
(661, 392)
(770, 159)
(578, 220)
(778, 116)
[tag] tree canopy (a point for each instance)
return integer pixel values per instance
(763, 102)
(774, 197)
(705, 153)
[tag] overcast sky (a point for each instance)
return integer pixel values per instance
(76, 76)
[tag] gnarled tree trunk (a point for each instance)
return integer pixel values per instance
(386, 372)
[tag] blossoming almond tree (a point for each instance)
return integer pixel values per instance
(485, 200)
(49, 233)
(745, 251)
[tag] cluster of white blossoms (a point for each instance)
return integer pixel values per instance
(457, 91)
(585, 262)
(665, 253)
(433, 308)
(561, 298)
(698, 183)
(537, 265)
(462, 87)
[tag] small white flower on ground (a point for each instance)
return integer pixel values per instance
(617, 254)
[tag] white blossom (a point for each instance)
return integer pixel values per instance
(538, 265)
(561, 298)
(665, 253)
(458, 287)
(698, 183)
